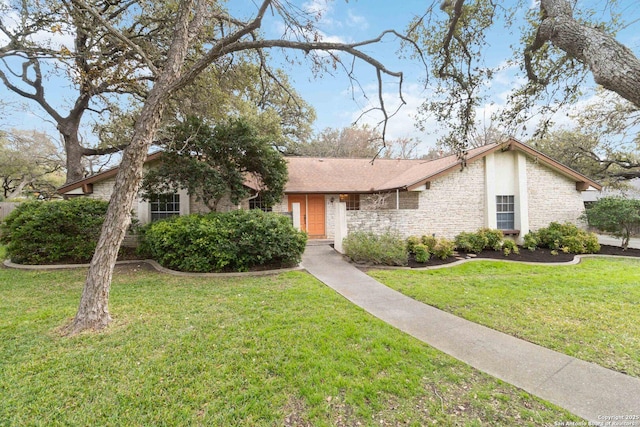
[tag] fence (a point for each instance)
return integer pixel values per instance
(6, 208)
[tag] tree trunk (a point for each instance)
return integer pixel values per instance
(69, 130)
(93, 312)
(614, 66)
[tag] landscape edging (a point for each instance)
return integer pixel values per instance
(9, 264)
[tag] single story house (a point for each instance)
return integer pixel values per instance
(509, 186)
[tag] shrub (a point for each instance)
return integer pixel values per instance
(444, 248)
(494, 238)
(50, 232)
(422, 253)
(509, 247)
(430, 242)
(531, 241)
(471, 242)
(385, 249)
(412, 242)
(565, 237)
(231, 241)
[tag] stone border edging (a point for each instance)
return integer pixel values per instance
(7, 263)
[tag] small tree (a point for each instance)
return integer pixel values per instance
(615, 215)
(211, 162)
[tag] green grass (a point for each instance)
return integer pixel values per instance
(590, 311)
(280, 350)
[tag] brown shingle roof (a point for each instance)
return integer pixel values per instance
(330, 175)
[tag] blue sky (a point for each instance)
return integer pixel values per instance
(355, 20)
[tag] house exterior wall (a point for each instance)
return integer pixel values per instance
(458, 201)
(552, 197)
(453, 203)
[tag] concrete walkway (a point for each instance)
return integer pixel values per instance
(585, 389)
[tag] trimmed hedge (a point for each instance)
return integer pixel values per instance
(230, 241)
(57, 231)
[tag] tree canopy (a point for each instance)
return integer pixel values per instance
(172, 46)
(30, 165)
(560, 45)
(80, 45)
(211, 162)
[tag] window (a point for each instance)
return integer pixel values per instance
(165, 206)
(352, 201)
(259, 203)
(505, 208)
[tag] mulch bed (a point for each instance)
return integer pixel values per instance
(525, 255)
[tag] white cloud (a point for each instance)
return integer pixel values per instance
(357, 21)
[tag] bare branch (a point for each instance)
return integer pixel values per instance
(118, 35)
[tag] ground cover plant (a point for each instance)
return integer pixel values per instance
(278, 350)
(589, 311)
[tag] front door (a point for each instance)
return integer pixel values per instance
(312, 213)
(315, 216)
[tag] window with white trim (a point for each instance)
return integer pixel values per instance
(505, 211)
(352, 201)
(164, 206)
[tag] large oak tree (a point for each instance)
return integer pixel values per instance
(560, 46)
(202, 35)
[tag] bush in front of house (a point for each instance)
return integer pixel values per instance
(509, 247)
(565, 237)
(476, 242)
(230, 241)
(471, 242)
(422, 253)
(444, 248)
(380, 249)
(51, 232)
(425, 247)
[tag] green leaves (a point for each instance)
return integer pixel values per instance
(50, 232)
(213, 162)
(230, 241)
(615, 215)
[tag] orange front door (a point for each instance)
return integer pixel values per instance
(315, 216)
(312, 213)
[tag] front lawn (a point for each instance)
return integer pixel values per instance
(590, 311)
(280, 350)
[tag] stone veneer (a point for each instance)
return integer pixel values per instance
(552, 197)
(453, 203)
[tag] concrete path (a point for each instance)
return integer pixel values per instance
(585, 389)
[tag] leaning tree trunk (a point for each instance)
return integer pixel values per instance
(613, 65)
(93, 312)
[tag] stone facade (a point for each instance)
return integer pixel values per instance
(552, 197)
(451, 204)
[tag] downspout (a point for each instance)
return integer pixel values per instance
(397, 199)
